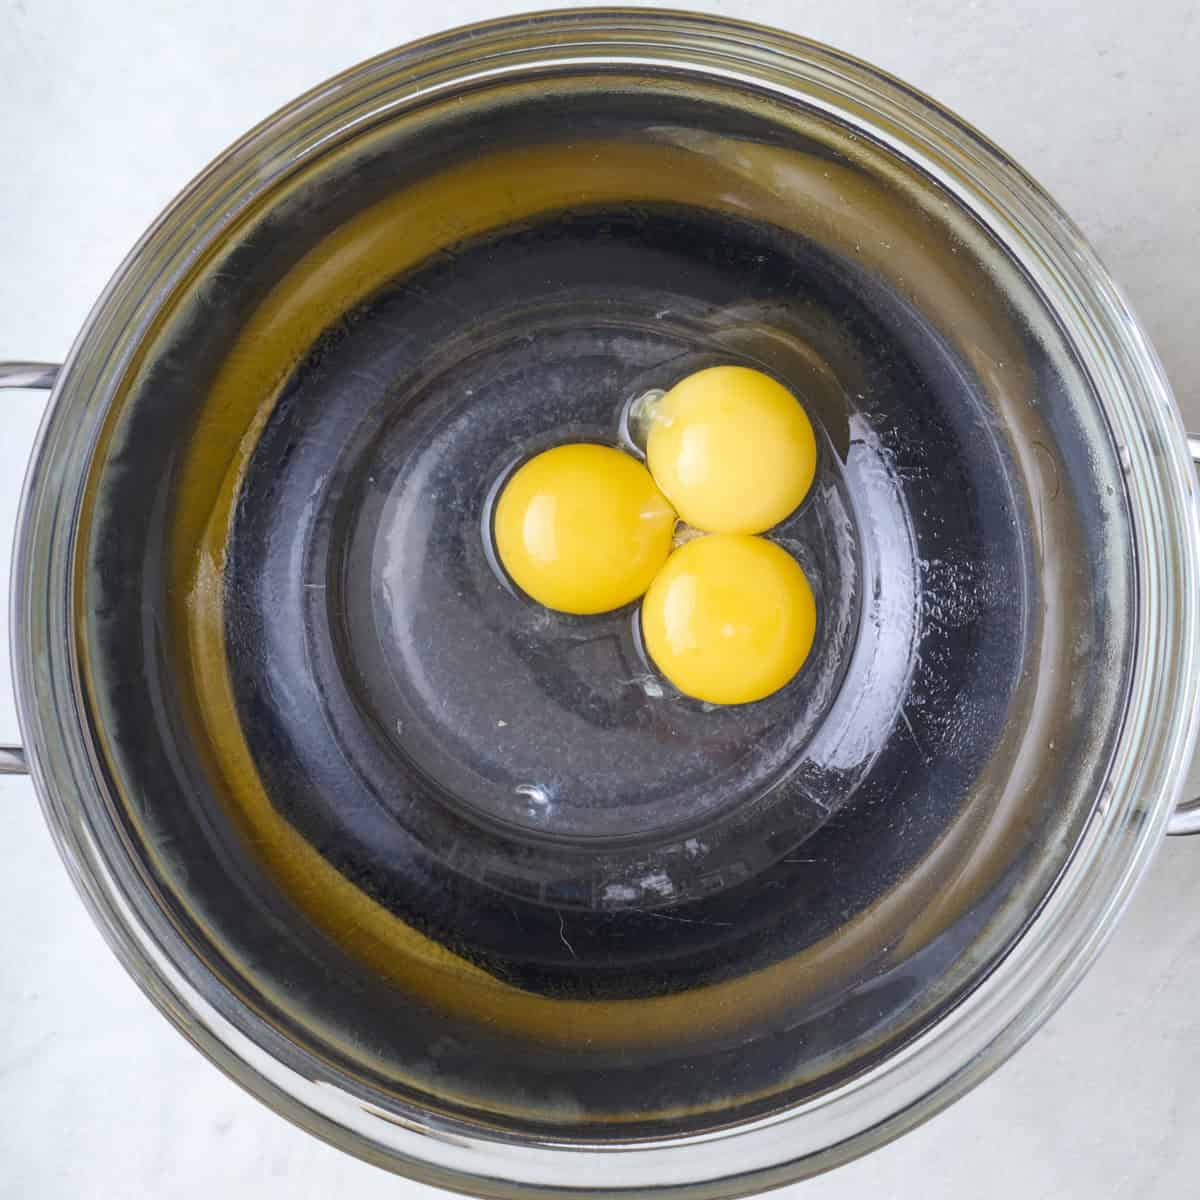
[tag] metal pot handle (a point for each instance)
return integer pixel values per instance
(23, 375)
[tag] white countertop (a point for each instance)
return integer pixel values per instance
(106, 109)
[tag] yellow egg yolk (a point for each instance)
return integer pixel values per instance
(732, 449)
(583, 528)
(729, 619)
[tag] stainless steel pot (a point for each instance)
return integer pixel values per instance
(267, 675)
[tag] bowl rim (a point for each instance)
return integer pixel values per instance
(1149, 761)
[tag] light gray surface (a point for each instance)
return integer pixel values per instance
(107, 108)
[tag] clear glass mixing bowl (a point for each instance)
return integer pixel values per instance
(467, 889)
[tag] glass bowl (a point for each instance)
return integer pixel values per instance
(465, 887)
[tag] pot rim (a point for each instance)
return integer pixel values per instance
(1149, 760)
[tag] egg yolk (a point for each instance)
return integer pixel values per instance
(732, 449)
(583, 528)
(729, 619)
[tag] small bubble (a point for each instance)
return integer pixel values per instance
(650, 686)
(532, 792)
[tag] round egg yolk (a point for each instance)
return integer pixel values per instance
(732, 449)
(583, 528)
(729, 619)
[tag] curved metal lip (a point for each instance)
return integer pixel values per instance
(1153, 749)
